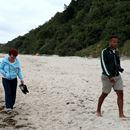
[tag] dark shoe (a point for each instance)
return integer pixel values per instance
(23, 88)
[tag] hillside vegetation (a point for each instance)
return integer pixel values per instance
(82, 29)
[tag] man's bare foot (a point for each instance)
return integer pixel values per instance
(122, 116)
(98, 114)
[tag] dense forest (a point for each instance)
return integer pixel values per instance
(82, 29)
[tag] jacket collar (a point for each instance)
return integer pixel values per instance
(111, 50)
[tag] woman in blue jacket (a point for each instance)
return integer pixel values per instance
(10, 69)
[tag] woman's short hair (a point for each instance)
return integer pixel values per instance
(13, 52)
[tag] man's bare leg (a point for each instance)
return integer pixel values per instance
(100, 102)
(120, 103)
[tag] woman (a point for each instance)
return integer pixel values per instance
(10, 69)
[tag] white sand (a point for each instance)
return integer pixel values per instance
(63, 96)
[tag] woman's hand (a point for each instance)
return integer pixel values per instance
(22, 82)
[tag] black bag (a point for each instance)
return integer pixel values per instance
(23, 88)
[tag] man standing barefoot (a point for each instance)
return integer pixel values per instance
(111, 78)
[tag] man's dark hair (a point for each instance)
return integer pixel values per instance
(113, 36)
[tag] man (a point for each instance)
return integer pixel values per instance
(110, 63)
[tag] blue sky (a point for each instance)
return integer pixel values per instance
(17, 17)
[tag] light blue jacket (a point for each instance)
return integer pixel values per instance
(10, 70)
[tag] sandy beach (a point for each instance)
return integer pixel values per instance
(63, 96)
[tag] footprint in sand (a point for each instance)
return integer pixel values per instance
(14, 120)
(3, 126)
(2, 108)
(9, 121)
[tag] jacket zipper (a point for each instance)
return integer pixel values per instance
(9, 72)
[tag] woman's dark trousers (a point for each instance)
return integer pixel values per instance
(10, 88)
